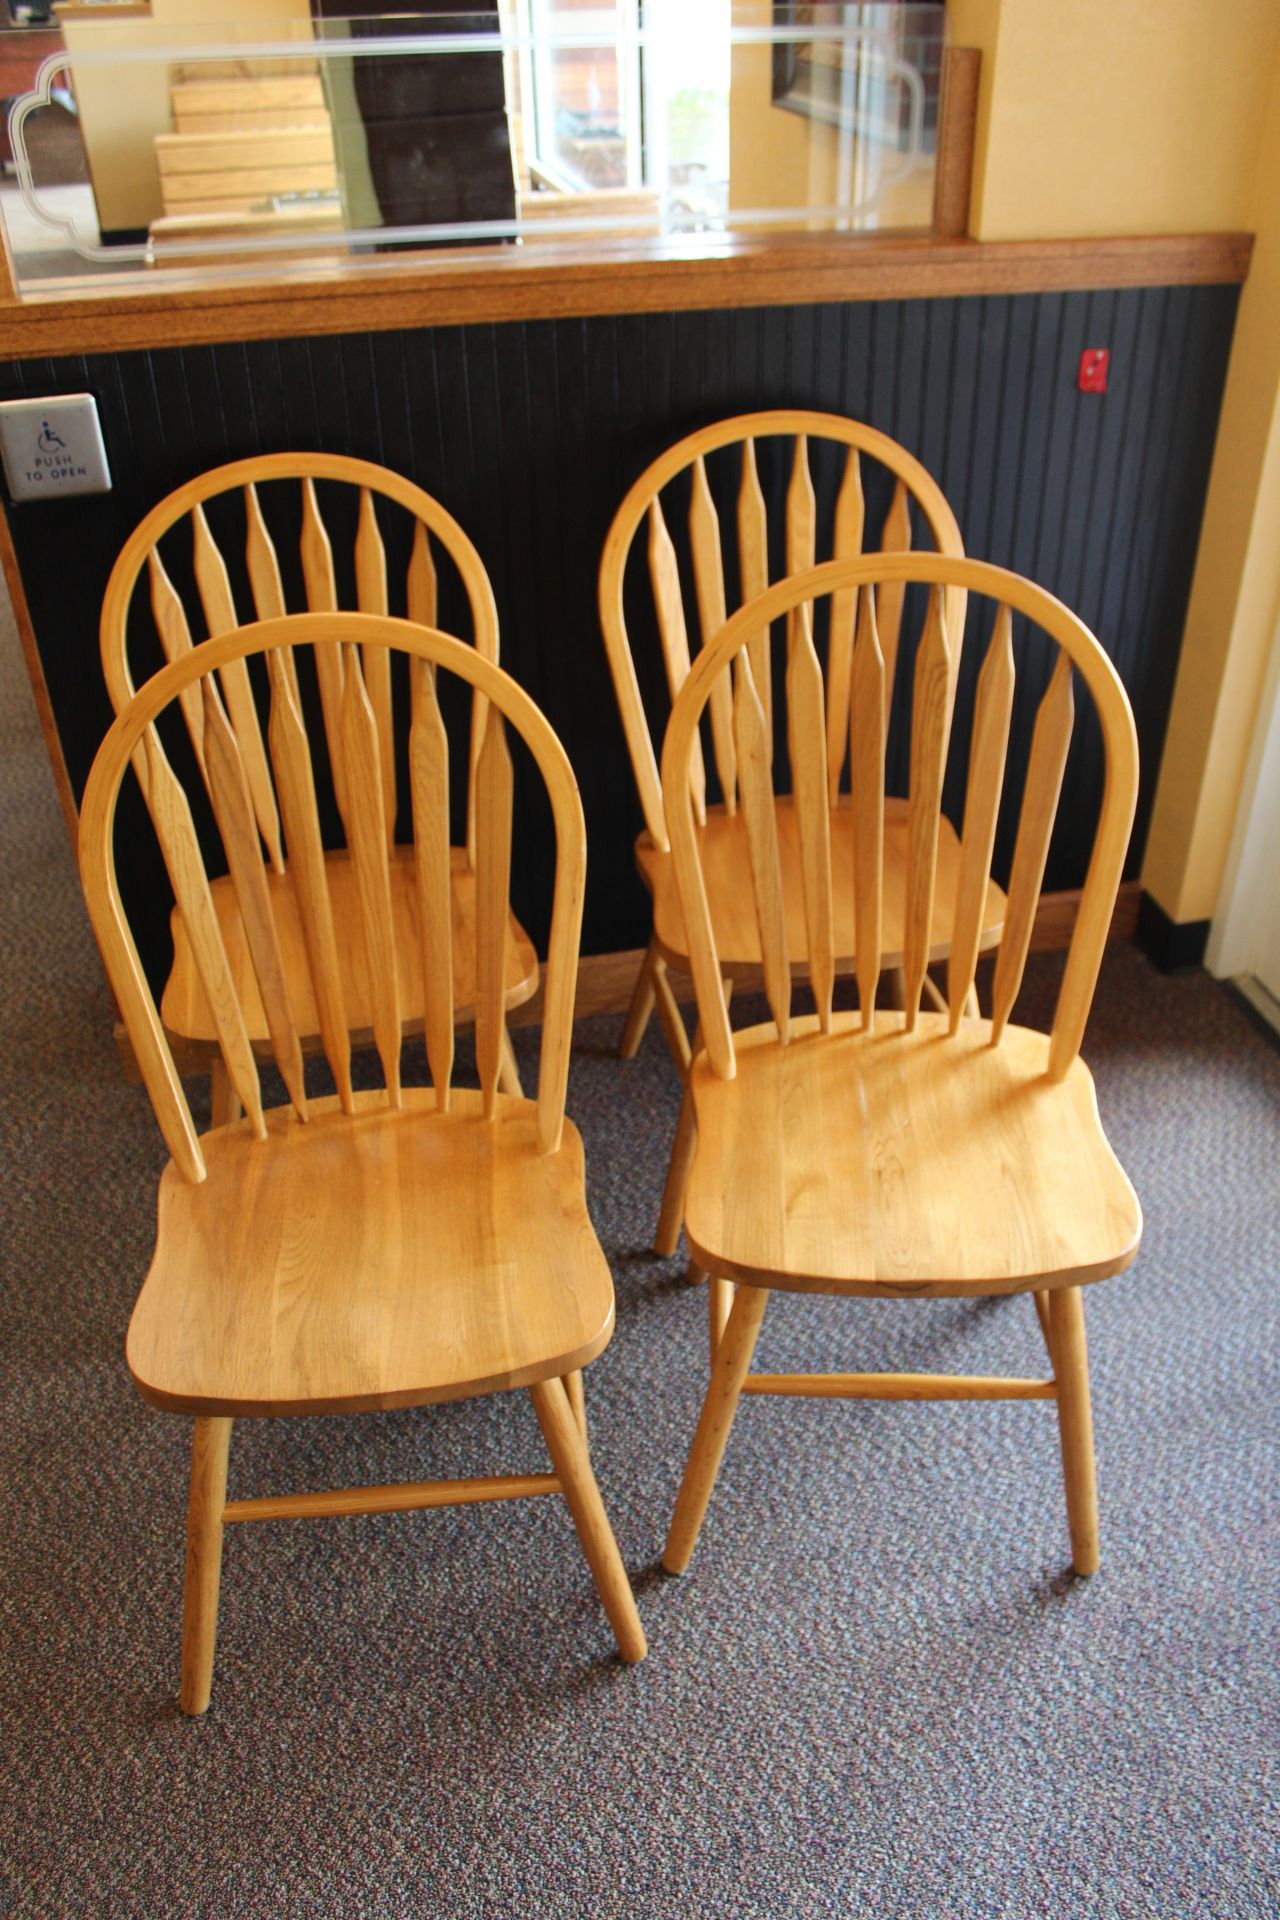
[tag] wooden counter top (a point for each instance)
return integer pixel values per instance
(547, 282)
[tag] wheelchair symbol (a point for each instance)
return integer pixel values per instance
(49, 441)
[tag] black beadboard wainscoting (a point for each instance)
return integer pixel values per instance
(531, 432)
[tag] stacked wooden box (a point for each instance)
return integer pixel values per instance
(242, 143)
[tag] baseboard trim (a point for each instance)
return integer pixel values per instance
(1174, 946)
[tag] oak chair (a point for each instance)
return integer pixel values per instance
(246, 501)
(722, 826)
(358, 1249)
(903, 1154)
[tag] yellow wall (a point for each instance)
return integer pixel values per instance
(1124, 117)
(1117, 116)
(1235, 597)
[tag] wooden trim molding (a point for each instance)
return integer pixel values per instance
(548, 282)
(957, 135)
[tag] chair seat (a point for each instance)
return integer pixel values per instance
(384, 1259)
(185, 1010)
(900, 1164)
(726, 870)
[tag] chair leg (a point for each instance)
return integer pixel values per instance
(569, 1457)
(206, 1499)
(728, 1371)
(508, 1071)
(577, 1393)
(670, 1018)
(1040, 1300)
(224, 1102)
(1075, 1424)
(719, 1307)
(671, 1218)
(638, 1013)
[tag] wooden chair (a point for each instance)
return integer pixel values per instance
(902, 1154)
(272, 489)
(361, 1249)
(721, 827)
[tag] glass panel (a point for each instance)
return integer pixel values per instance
(323, 133)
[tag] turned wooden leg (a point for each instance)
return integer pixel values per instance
(1075, 1424)
(671, 1218)
(206, 1499)
(719, 1306)
(695, 1274)
(1040, 1300)
(642, 998)
(569, 1457)
(508, 1071)
(574, 1387)
(224, 1102)
(728, 1371)
(670, 1017)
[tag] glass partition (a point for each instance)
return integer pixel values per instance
(170, 144)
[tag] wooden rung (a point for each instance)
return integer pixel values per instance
(408, 1497)
(899, 1386)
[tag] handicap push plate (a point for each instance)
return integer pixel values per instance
(53, 447)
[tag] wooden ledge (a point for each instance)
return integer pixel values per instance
(552, 282)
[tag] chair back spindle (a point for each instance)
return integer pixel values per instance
(930, 730)
(807, 746)
(295, 783)
(233, 812)
(1049, 743)
(367, 839)
(708, 575)
(429, 785)
(761, 823)
(851, 513)
(753, 575)
(993, 710)
(868, 734)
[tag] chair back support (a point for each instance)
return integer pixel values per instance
(276, 488)
(911, 485)
(727, 670)
(287, 645)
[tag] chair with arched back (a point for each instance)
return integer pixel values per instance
(381, 1248)
(771, 453)
(188, 548)
(916, 1153)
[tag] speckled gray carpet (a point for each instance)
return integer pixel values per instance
(876, 1693)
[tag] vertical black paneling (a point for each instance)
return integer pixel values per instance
(530, 434)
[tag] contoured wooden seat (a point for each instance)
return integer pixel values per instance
(356, 1249)
(252, 512)
(903, 1153)
(866, 474)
